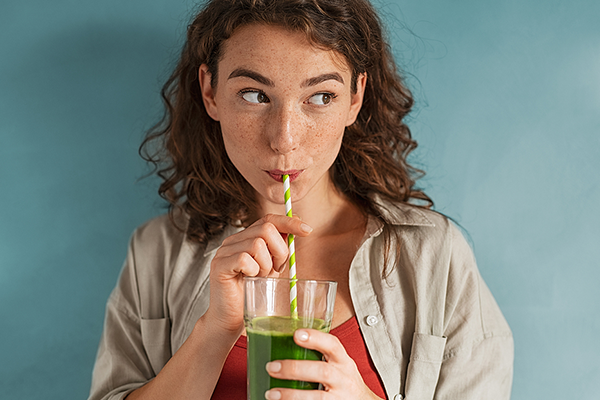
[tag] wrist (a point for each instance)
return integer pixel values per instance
(210, 326)
(230, 325)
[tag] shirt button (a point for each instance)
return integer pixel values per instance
(398, 397)
(372, 320)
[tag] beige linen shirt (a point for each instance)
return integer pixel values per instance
(432, 328)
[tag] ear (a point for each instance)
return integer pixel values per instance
(208, 93)
(356, 99)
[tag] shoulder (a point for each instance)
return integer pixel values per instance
(428, 246)
(420, 227)
(144, 270)
(156, 246)
(161, 229)
(162, 242)
(437, 264)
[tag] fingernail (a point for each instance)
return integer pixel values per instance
(302, 336)
(272, 394)
(273, 366)
(305, 228)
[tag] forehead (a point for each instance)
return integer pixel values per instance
(276, 50)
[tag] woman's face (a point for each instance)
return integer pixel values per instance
(283, 106)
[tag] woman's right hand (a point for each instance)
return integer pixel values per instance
(259, 250)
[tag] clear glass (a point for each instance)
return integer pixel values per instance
(270, 325)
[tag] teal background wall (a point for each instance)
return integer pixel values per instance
(508, 120)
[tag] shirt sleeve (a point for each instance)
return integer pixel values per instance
(122, 364)
(478, 358)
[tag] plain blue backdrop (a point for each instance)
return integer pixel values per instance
(507, 117)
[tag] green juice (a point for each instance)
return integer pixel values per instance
(271, 338)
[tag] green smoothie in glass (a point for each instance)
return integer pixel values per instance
(270, 322)
(271, 338)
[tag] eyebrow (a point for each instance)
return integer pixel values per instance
(243, 72)
(252, 75)
(322, 78)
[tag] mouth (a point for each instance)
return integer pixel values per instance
(278, 174)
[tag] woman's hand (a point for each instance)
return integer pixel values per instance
(338, 374)
(259, 250)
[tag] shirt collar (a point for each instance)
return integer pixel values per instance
(401, 213)
(398, 214)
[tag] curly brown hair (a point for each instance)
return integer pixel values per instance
(188, 151)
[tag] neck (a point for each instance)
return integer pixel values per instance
(324, 208)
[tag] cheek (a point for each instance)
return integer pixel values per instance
(241, 145)
(234, 139)
(237, 133)
(327, 137)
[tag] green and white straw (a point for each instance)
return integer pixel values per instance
(288, 211)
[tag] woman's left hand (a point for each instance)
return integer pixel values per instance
(338, 373)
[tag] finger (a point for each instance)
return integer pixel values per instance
(272, 235)
(270, 228)
(285, 224)
(282, 224)
(325, 343)
(304, 370)
(242, 263)
(257, 248)
(296, 394)
(274, 274)
(276, 244)
(263, 242)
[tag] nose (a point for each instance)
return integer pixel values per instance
(285, 129)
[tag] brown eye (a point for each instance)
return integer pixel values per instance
(253, 96)
(322, 99)
(262, 98)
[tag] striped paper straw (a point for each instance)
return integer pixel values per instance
(288, 212)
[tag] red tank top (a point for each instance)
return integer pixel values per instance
(232, 383)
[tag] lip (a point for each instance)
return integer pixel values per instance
(278, 174)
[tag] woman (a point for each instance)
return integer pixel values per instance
(306, 88)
